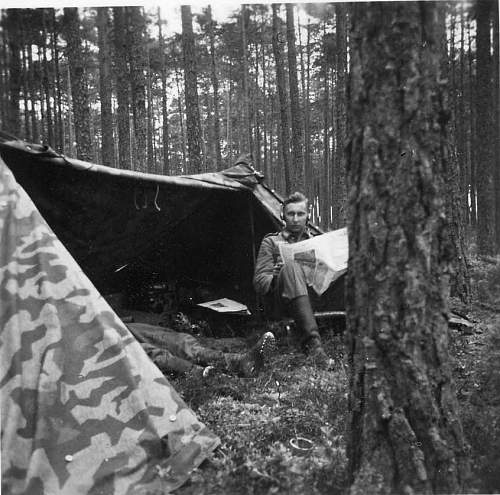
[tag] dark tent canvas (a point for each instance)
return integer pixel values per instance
(83, 409)
(123, 225)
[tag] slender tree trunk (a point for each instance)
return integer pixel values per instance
(339, 195)
(405, 431)
(191, 92)
(46, 83)
(283, 104)
(105, 89)
(305, 81)
(473, 159)
(295, 107)
(150, 126)
(247, 141)
(486, 239)
(32, 92)
(13, 28)
(325, 171)
(122, 88)
(215, 89)
(136, 30)
(59, 133)
(229, 121)
(181, 121)
(164, 107)
(265, 97)
(26, 89)
(79, 90)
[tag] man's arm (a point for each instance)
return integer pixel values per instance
(264, 267)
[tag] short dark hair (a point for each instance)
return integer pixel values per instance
(295, 197)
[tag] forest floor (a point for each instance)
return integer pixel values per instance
(257, 418)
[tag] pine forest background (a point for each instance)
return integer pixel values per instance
(114, 86)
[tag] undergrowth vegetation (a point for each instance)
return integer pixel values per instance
(256, 419)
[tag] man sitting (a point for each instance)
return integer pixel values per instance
(284, 285)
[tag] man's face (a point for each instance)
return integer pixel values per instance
(295, 215)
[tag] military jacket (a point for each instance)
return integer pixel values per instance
(269, 255)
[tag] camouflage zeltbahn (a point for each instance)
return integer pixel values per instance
(83, 409)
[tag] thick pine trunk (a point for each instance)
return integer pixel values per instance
(405, 432)
(191, 92)
(283, 103)
(105, 89)
(122, 89)
(78, 80)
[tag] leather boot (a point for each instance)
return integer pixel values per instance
(250, 363)
(307, 329)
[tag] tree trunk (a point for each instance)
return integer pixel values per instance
(46, 83)
(79, 90)
(191, 92)
(32, 92)
(13, 27)
(26, 87)
(472, 130)
(496, 127)
(295, 107)
(122, 89)
(150, 125)
(136, 30)
(215, 88)
(280, 82)
(105, 89)
(405, 431)
(181, 121)
(324, 189)
(59, 134)
(339, 195)
(305, 81)
(164, 109)
(454, 207)
(247, 141)
(486, 239)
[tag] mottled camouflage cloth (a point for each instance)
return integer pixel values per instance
(83, 409)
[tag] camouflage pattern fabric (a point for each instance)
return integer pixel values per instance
(83, 409)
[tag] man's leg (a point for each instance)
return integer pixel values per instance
(181, 350)
(169, 363)
(179, 344)
(292, 287)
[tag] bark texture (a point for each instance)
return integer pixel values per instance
(191, 92)
(79, 90)
(405, 432)
(105, 89)
(122, 90)
(295, 107)
(280, 82)
(484, 126)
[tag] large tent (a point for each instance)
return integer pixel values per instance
(123, 225)
(83, 409)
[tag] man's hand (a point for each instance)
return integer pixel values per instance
(276, 268)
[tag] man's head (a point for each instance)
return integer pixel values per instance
(295, 212)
